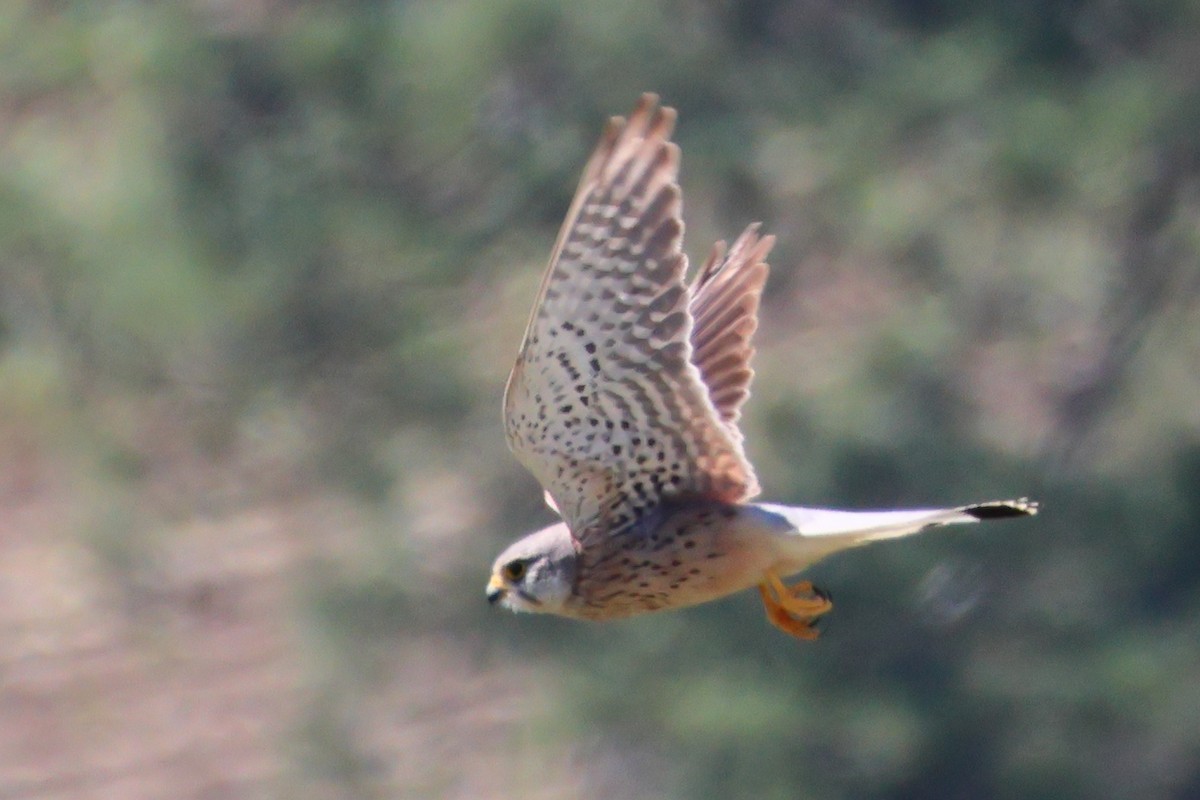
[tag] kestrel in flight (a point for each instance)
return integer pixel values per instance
(624, 403)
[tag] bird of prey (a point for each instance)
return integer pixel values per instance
(624, 403)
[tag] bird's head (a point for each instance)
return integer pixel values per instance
(536, 573)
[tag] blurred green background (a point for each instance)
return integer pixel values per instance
(264, 266)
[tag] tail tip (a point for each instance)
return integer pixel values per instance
(1003, 509)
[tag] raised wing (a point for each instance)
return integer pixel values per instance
(604, 404)
(724, 308)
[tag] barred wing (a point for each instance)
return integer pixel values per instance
(724, 307)
(604, 404)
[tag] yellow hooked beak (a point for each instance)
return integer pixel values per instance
(496, 589)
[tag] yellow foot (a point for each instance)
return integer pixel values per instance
(793, 609)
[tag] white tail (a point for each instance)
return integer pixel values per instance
(820, 532)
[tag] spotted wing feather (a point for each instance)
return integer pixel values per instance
(604, 404)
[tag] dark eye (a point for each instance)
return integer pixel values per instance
(514, 570)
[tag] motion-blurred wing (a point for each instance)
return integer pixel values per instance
(604, 404)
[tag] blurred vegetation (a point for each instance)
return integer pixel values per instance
(274, 257)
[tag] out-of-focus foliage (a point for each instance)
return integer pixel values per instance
(264, 266)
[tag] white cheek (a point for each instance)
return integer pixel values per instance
(553, 594)
(514, 602)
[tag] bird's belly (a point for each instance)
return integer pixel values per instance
(681, 558)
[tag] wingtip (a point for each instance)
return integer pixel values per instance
(648, 127)
(757, 243)
(612, 129)
(648, 100)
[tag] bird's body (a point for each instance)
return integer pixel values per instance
(624, 402)
(677, 556)
(690, 552)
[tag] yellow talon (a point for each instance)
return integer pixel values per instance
(793, 609)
